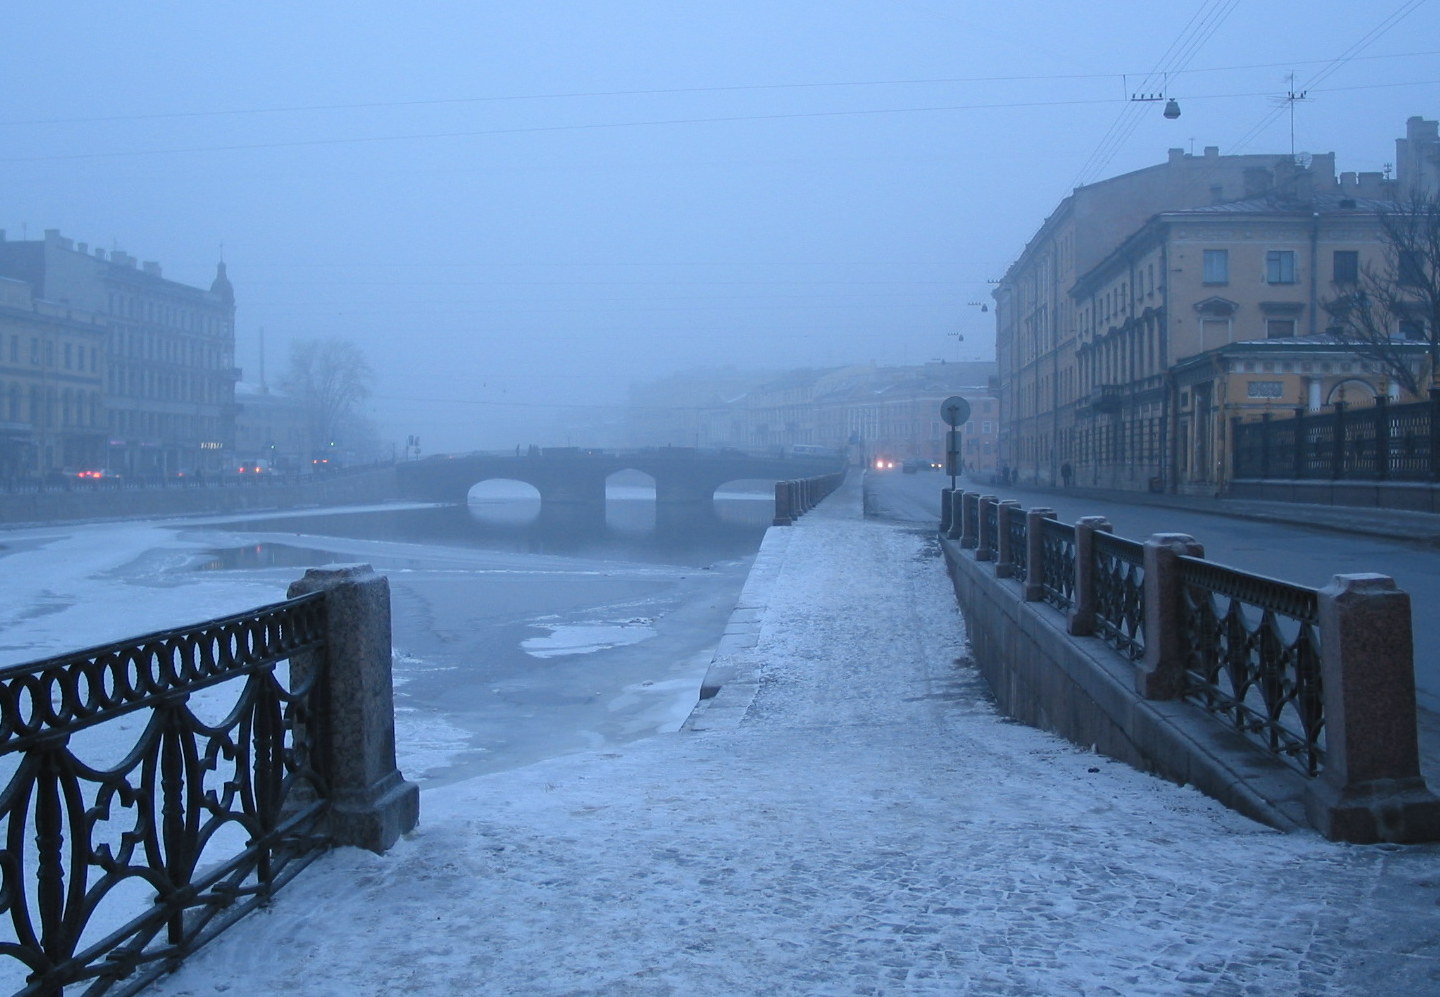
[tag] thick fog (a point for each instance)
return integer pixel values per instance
(515, 209)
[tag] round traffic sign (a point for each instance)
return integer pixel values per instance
(955, 410)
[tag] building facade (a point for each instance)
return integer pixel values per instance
(1125, 360)
(863, 410)
(168, 362)
(52, 370)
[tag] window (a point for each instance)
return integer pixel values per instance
(1279, 328)
(1217, 266)
(1412, 329)
(1280, 266)
(1265, 389)
(1412, 268)
(1347, 266)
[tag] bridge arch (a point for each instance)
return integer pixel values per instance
(744, 500)
(575, 479)
(506, 501)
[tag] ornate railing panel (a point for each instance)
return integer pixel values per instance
(990, 529)
(1019, 540)
(1058, 563)
(1253, 657)
(1380, 442)
(157, 789)
(1120, 593)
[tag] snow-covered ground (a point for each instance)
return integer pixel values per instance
(871, 826)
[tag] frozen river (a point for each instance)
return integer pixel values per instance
(515, 640)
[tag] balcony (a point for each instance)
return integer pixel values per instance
(1106, 398)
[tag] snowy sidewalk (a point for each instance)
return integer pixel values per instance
(870, 826)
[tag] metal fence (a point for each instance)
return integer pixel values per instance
(1382, 442)
(1119, 574)
(1253, 658)
(1251, 644)
(157, 789)
(1057, 563)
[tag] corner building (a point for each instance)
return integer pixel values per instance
(1116, 325)
(169, 371)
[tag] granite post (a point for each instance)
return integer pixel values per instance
(1161, 673)
(1005, 553)
(957, 515)
(1035, 553)
(784, 511)
(371, 803)
(984, 523)
(1370, 788)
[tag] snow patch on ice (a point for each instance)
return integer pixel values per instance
(587, 638)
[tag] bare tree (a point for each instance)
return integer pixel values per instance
(1393, 308)
(330, 377)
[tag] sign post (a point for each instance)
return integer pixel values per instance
(955, 411)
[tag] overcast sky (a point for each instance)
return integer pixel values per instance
(513, 207)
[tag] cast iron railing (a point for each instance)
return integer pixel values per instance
(1321, 679)
(1119, 573)
(1057, 563)
(157, 789)
(1019, 536)
(1252, 643)
(1380, 442)
(989, 530)
(1253, 657)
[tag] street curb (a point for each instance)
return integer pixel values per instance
(733, 678)
(731, 681)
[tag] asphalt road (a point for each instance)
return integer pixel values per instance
(1293, 552)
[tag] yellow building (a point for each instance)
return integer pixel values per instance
(1210, 314)
(1121, 330)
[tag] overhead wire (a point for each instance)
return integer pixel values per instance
(1201, 27)
(662, 91)
(1329, 69)
(600, 125)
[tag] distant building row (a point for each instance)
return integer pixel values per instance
(887, 413)
(106, 365)
(1153, 308)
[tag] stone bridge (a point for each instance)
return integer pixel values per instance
(575, 477)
